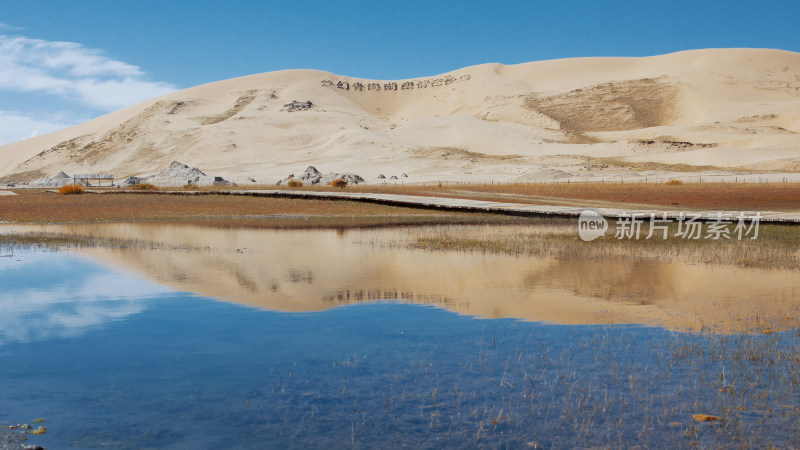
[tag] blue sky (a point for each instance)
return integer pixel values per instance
(63, 62)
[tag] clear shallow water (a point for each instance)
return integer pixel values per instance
(114, 361)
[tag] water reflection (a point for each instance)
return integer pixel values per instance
(181, 371)
(46, 297)
(316, 270)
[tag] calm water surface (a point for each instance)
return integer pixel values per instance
(265, 339)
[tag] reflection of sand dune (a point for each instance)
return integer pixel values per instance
(635, 282)
(316, 270)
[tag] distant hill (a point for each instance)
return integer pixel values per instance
(702, 111)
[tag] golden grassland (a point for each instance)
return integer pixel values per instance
(38, 207)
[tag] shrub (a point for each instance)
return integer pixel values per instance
(143, 187)
(341, 183)
(295, 183)
(674, 182)
(71, 189)
(191, 186)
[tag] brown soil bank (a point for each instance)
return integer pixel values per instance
(226, 210)
(221, 210)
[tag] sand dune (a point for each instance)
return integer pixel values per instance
(713, 112)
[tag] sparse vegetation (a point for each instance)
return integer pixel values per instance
(704, 196)
(71, 189)
(10, 241)
(143, 187)
(777, 247)
(648, 102)
(225, 211)
(685, 196)
(31, 206)
(698, 196)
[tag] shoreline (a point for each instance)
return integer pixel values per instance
(373, 206)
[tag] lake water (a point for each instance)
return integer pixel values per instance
(276, 339)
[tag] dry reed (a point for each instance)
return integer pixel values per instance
(71, 189)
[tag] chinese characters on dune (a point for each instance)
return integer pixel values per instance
(359, 86)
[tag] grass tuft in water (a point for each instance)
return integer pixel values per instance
(777, 247)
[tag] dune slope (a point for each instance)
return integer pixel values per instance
(720, 111)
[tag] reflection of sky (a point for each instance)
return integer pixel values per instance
(46, 295)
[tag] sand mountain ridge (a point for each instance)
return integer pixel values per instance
(715, 111)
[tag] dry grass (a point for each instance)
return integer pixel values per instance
(221, 210)
(295, 184)
(71, 240)
(455, 153)
(143, 187)
(39, 206)
(697, 196)
(339, 184)
(71, 189)
(626, 105)
(241, 104)
(777, 246)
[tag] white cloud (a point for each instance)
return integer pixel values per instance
(73, 72)
(15, 126)
(5, 26)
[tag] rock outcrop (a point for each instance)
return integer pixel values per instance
(312, 176)
(57, 181)
(298, 106)
(178, 174)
